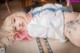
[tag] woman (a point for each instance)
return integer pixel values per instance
(45, 23)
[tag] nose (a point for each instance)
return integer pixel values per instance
(20, 24)
(18, 27)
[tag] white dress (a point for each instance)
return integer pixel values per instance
(47, 23)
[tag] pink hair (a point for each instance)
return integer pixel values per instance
(21, 35)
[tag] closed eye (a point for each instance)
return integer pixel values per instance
(15, 28)
(14, 20)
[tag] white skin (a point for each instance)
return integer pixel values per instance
(20, 21)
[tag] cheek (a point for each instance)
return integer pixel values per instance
(23, 23)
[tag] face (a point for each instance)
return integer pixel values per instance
(19, 23)
(16, 22)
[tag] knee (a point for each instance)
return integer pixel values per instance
(76, 44)
(76, 41)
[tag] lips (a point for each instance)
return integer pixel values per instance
(22, 24)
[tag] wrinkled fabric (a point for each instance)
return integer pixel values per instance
(47, 24)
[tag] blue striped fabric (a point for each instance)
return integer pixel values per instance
(37, 12)
(63, 9)
(52, 9)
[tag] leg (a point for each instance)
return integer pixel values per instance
(72, 31)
